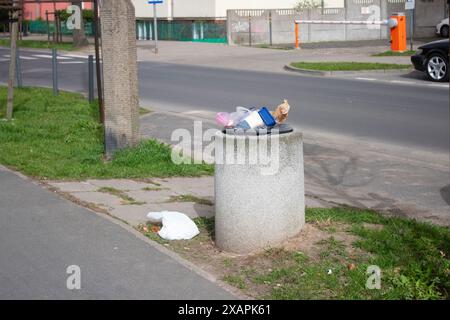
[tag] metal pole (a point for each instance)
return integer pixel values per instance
(270, 27)
(413, 13)
(155, 27)
(48, 25)
(250, 31)
(14, 30)
(55, 71)
(91, 78)
(97, 64)
(18, 68)
(59, 29)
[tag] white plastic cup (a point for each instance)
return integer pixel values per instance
(254, 120)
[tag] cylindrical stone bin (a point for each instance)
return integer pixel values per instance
(259, 190)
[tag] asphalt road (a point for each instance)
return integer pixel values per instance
(41, 235)
(406, 115)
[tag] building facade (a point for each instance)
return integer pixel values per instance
(36, 11)
(215, 9)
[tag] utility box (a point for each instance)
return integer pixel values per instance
(259, 190)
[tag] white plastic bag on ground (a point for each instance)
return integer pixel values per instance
(175, 225)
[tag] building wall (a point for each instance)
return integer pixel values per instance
(34, 11)
(214, 9)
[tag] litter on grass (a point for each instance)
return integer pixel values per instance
(175, 225)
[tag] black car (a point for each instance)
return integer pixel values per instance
(432, 59)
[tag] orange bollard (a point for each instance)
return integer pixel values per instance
(398, 33)
(297, 36)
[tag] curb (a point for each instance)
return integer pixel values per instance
(334, 73)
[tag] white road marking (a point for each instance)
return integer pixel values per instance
(73, 62)
(438, 85)
(28, 58)
(46, 56)
(402, 82)
(411, 83)
(75, 56)
(4, 60)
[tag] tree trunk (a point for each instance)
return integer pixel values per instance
(79, 36)
(12, 66)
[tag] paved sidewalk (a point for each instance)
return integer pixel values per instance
(41, 235)
(259, 59)
(338, 170)
(352, 171)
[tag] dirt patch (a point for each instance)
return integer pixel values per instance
(245, 271)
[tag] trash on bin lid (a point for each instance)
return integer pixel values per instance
(278, 129)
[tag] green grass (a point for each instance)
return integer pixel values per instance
(126, 199)
(347, 66)
(191, 198)
(36, 44)
(413, 258)
(390, 53)
(266, 46)
(154, 189)
(61, 138)
(143, 111)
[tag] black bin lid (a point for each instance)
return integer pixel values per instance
(282, 129)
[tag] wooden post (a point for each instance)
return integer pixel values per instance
(12, 65)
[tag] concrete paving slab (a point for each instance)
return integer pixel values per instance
(121, 184)
(75, 186)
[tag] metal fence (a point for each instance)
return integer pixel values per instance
(41, 27)
(197, 31)
(89, 74)
(272, 27)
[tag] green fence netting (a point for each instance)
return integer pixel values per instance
(41, 27)
(197, 31)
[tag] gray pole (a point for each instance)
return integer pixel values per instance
(14, 29)
(270, 28)
(155, 23)
(91, 78)
(250, 31)
(18, 69)
(413, 13)
(55, 71)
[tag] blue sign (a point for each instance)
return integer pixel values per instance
(155, 2)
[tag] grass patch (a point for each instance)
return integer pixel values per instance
(191, 198)
(143, 111)
(154, 189)
(413, 258)
(36, 44)
(126, 199)
(267, 46)
(348, 66)
(59, 137)
(390, 53)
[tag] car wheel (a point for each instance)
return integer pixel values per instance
(444, 31)
(437, 67)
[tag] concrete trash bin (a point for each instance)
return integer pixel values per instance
(258, 203)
